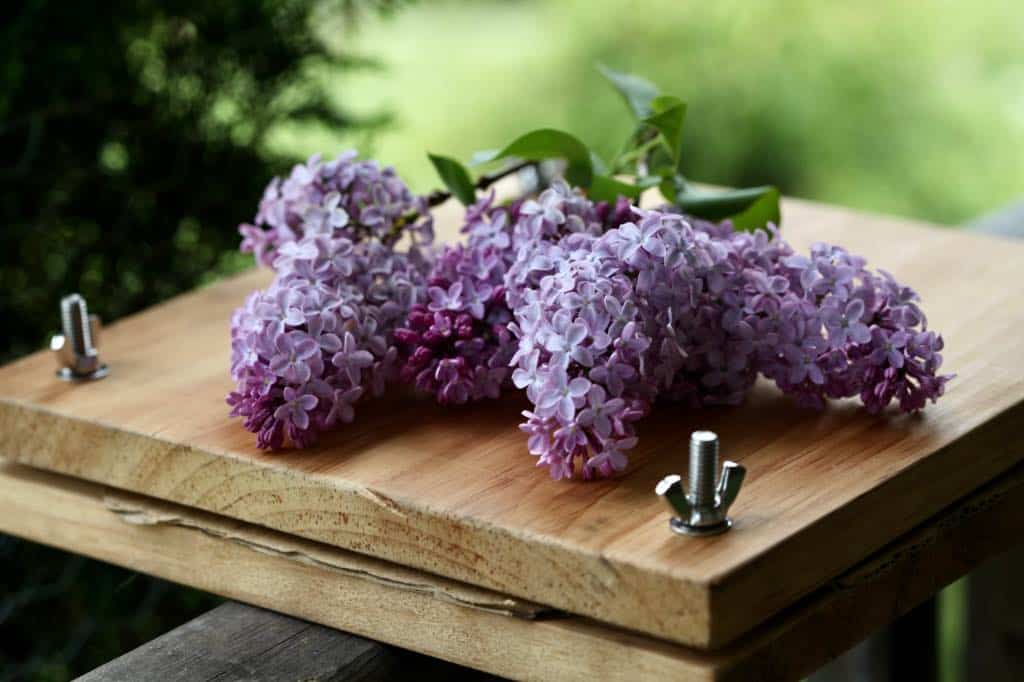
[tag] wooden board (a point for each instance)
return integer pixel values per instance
(235, 642)
(455, 493)
(483, 629)
(369, 597)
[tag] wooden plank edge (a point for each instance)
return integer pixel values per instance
(489, 631)
(408, 608)
(687, 611)
(886, 586)
(992, 450)
(418, 537)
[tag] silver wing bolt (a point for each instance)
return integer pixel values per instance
(76, 349)
(702, 508)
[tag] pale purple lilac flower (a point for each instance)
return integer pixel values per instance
(346, 197)
(322, 335)
(595, 310)
(693, 312)
(297, 356)
(295, 409)
(457, 345)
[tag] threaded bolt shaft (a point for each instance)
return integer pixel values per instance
(703, 467)
(75, 322)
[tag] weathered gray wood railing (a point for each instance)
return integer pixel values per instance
(239, 642)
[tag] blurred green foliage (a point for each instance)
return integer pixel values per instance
(910, 107)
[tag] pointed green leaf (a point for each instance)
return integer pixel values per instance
(748, 208)
(607, 188)
(667, 118)
(672, 183)
(715, 205)
(763, 211)
(547, 143)
(661, 161)
(638, 92)
(455, 177)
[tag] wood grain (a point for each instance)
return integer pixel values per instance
(486, 630)
(882, 588)
(341, 589)
(455, 493)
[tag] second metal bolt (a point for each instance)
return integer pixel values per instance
(75, 349)
(703, 507)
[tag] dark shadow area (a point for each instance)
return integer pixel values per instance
(62, 615)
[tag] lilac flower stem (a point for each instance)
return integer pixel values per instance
(438, 196)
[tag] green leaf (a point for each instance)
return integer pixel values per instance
(660, 162)
(749, 208)
(763, 211)
(671, 183)
(607, 188)
(670, 187)
(455, 177)
(547, 143)
(667, 118)
(638, 92)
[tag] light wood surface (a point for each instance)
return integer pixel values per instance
(368, 597)
(454, 492)
(483, 629)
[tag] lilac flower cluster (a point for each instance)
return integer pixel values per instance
(666, 307)
(457, 345)
(615, 320)
(557, 212)
(321, 336)
(830, 328)
(345, 197)
(595, 310)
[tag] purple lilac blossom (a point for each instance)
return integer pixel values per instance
(345, 197)
(666, 307)
(594, 310)
(457, 345)
(615, 320)
(322, 335)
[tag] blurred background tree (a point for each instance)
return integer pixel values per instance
(133, 137)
